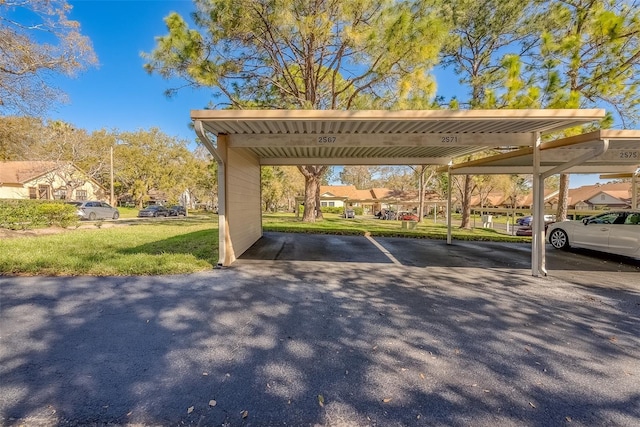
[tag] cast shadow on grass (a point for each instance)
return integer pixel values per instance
(202, 244)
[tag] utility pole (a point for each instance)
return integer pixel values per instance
(112, 199)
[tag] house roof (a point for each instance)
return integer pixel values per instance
(527, 200)
(24, 171)
(497, 198)
(619, 190)
(341, 191)
(380, 194)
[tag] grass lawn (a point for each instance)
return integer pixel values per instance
(178, 245)
(335, 224)
(148, 248)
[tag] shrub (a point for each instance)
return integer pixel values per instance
(331, 209)
(358, 210)
(27, 214)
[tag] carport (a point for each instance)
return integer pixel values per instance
(615, 152)
(242, 141)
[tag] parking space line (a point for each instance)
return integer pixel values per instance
(382, 249)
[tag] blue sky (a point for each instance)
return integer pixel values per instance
(119, 94)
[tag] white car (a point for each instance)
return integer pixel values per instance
(615, 232)
(95, 209)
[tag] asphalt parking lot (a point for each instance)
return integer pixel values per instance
(330, 331)
(576, 266)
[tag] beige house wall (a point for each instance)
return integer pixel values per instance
(337, 203)
(243, 214)
(13, 192)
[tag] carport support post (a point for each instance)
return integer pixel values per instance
(219, 153)
(449, 206)
(224, 240)
(537, 240)
(634, 191)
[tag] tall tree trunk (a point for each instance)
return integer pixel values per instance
(466, 201)
(312, 177)
(310, 189)
(563, 197)
(319, 216)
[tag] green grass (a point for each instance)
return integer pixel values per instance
(334, 224)
(180, 246)
(128, 212)
(161, 247)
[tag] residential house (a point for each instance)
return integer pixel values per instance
(613, 195)
(47, 181)
(345, 196)
(374, 200)
(498, 199)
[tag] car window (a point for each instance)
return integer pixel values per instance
(620, 219)
(608, 218)
(633, 219)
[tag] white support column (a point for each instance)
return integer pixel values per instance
(634, 190)
(220, 156)
(537, 219)
(449, 206)
(223, 230)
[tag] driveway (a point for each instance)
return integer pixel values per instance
(343, 341)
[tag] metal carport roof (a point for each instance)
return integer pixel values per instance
(602, 151)
(621, 156)
(333, 137)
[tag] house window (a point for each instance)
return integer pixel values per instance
(33, 193)
(81, 194)
(60, 194)
(332, 204)
(323, 204)
(602, 197)
(43, 192)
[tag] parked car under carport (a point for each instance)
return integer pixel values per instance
(615, 232)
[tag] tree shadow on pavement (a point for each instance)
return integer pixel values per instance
(318, 343)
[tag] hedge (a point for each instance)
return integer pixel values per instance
(28, 214)
(358, 210)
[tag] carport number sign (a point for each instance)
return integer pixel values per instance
(629, 155)
(450, 139)
(445, 139)
(327, 139)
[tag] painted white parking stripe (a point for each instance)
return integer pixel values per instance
(382, 249)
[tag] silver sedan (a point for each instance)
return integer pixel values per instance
(615, 232)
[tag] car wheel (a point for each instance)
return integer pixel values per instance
(116, 215)
(92, 216)
(559, 239)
